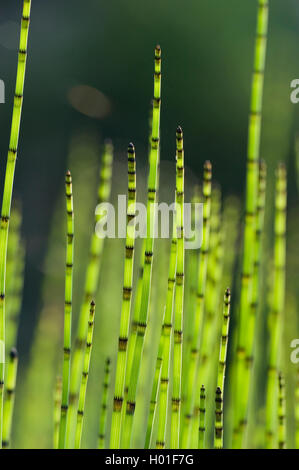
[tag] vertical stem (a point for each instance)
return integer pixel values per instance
(148, 254)
(9, 180)
(218, 442)
(252, 326)
(281, 413)
(57, 410)
(199, 308)
(122, 355)
(202, 414)
(275, 320)
(167, 335)
(91, 284)
(67, 310)
(155, 392)
(179, 295)
(103, 414)
(9, 397)
(85, 372)
(224, 341)
(253, 155)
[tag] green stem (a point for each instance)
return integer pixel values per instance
(9, 397)
(202, 414)
(148, 254)
(218, 442)
(122, 356)
(275, 320)
(199, 307)
(91, 284)
(67, 310)
(281, 413)
(9, 180)
(179, 296)
(253, 155)
(57, 410)
(103, 415)
(84, 381)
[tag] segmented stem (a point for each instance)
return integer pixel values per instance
(148, 254)
(103, 414)
(253, 155)
(281, 413)
(275, 320)
(199, 308)
(167, 335)
(218, 441)
(85, 372)
(91, 284)
(224, 341)
(179, 295)
(122, 355)
(9, 397)
(155, 391)
(251, 329)
(202, 414)
(67, 310)
(9, 180)
(57, 410)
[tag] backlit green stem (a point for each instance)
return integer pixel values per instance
(9, 397)
(253, 155)
(122, 355)
(218, 442)
(179, 296)
(67, 310)
(85, 372)
(202, 414)
(275, 320)
(57, 411)
(103, 414)
(148, 254)
(9, 180)
(281, 413)
(199, 307)
(224, 341)
(91, 284)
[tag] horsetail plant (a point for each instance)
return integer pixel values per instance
(9, 397)
(126, 303)
(199, 308)
(202, 415)
(281, 413)
(253, 155)
(167, 336)
(218, 442)
(179, 295)
(275, 320)
(224, 341)
(103, 416)
(67, 309)
(57, 411)
(155, 392)
(84, 380)
(251, 329)
(9, 181)
(91, 284)
(148, 253)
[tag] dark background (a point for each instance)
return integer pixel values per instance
(207, 48)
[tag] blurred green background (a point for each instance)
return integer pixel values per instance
(90, 69)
